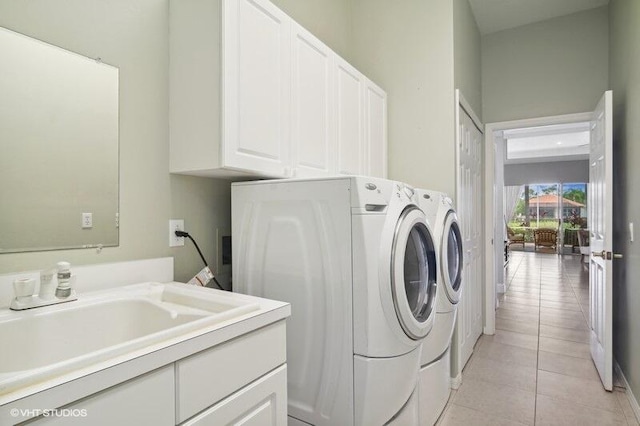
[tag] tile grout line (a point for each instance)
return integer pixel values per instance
(535, 397)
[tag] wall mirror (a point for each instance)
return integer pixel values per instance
(59, 148)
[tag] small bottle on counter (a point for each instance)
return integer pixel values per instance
(64, 280)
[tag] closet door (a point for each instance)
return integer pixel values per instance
(313, 140)
(349, 112)
(256, 75)
(469, 208)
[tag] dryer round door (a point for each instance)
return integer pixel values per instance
(451, 257)
(413, 273)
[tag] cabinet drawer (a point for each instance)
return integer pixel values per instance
(147, 399)
(211, 375)
(263, 402)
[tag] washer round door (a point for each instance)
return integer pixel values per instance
(451, 257)
(413, 273)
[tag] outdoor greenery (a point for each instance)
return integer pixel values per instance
(572, 219)
(577, 195)
(573, 192)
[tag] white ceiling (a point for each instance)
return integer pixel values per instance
(497, 15)
(560, 142)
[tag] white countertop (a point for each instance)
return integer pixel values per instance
(78, 383)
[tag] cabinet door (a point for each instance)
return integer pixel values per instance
(261, 403)
(349, 118)
(312, 125)
(375, 105)
(256, 89)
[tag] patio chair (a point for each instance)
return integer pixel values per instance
(583, 242)
(545, 237)
(515, 237)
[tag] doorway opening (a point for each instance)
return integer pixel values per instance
(534, 159)
(546, 217)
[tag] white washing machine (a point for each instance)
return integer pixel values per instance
(356, 259)
(435, 360)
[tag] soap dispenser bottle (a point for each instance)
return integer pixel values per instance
(64, 280)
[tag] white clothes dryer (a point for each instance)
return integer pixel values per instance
(435, 358)
(356, 259)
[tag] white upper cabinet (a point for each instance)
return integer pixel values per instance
(252, 93)
(349, 111)
(375, 104)
(312, 137)
(257, 74)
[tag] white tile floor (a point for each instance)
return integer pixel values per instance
(536, 369)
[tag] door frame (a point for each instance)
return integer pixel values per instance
(496, 250)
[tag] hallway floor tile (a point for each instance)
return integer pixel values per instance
(537, 369)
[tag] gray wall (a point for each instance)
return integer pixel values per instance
(558, 66)
(407, 48)
(467, 55)
(550, 172)
(624, 71)
(134, 38)
(329, 20)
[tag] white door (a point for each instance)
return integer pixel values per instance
(349, 119)
(375, 103)
(469, 208)
(601, 231)
(257, 70)
(312, 128)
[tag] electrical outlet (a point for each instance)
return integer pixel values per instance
(175, 225)
(87, 220)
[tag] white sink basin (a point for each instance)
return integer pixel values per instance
(46, 342)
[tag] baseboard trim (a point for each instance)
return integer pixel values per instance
(632, 399)
(456, 382)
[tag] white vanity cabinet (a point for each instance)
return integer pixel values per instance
(253, 93)
(240, 381)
